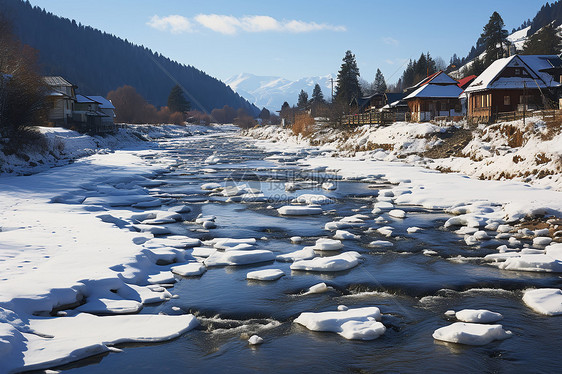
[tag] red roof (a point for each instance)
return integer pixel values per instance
(463, 83)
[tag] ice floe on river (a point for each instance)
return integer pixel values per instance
(357, 323)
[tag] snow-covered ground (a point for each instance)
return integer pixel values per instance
(62, 146)
(59, 247)
(530, 152)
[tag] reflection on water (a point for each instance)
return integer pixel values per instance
(412, 290)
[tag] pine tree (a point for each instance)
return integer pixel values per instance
(348, 80)
(264, 114)
(176, 100)
(546, 41)
(494, 37)
(302, 102)
(317, 95)
(379, 85)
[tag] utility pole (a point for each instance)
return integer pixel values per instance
(332, 82)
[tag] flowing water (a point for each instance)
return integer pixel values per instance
(412, 290)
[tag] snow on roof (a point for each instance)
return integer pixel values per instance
(84, 100)
(442, 78)
(436, 91)
(533, 63)
(104, 103)
(57, 81)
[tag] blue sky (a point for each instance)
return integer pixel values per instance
(295, 39)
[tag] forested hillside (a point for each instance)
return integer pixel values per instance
(98, 62)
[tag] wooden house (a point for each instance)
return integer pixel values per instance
(516, 83)
(62, 96)
(395, 104)
(367, 103)
(435, 96)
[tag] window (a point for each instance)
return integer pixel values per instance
(524, 72)
(506, 100)
(517, 72)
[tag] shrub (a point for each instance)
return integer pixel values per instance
(303, 124)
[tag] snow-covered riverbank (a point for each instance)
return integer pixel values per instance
(59, 146)
(529, 151)
(60, 244)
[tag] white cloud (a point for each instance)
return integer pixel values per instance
(260, 24)
(390, 41)
(231, 25)
(219, 23)
(175, 24)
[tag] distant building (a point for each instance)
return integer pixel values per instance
(86, 113)
(395, 104)
(516, 83)
(62, 97)
(434, 96)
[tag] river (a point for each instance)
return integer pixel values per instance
(413, 290)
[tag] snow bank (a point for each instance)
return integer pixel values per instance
(358, 323)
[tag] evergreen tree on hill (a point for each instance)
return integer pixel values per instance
(494, 37)
(302, 102)
(379, 85)
(176, 100)
(348, 86)
(546, 41)
(317, 95)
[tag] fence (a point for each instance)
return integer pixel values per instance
(370, 118)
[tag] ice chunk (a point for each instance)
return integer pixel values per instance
(255, 340)
(228, 243)
(154, 230)
(481, 235)
(397, 213)
(533, 262)
(313, 199)
(324, 244)
(211, 186)
(358, 323)
(164, 277)
(317, 288)
(202, 251)
(542, 241)
(296, 210)
(328, 186)
(343, 261)
(471, 333)
(239, 257)
(546, 301)
(181, 209)
(110, 306)
(384, 205)
(343, 235)
(296, 239)
(504, 228)
(84, 335)
(385, 230)
(429, 252)
(148, 204)
(189, 270)
(304, 254)
(413, 229)
(265, 275)
(478, 315)
(380, 244)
